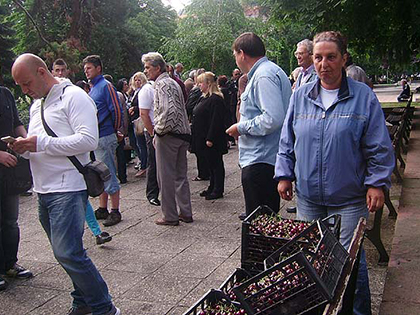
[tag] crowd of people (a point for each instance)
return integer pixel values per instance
(321, 129)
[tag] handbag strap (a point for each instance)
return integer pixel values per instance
(51, 133)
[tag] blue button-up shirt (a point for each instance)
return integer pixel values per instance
(263, 108)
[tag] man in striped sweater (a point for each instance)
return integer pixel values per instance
(109, 114)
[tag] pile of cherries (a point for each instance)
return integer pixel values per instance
(221, 309)
(276, 286)
(275, 226)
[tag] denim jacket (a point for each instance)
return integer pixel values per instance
(335, 155)
(263, 109)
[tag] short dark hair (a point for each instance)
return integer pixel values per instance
(59, 62)
(95, 60)
(222, 80)
(335, 37)
(250, 44)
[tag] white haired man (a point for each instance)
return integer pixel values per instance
(173, 134)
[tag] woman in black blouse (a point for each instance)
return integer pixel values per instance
(208, 133)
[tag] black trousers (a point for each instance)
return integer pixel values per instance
(152, 187)
(214, 161)
(259, 187)
(202, 165)
(121, 162)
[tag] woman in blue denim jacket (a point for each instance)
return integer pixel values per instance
(334, 144)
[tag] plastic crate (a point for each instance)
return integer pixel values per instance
(295, 288)
(213, 297)
(239, 276)
(256, 247)
(325, 253)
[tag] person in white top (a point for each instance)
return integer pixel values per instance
(62, 194)
(146, 101)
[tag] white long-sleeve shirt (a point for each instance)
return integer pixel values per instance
(71, 114)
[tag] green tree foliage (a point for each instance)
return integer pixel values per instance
(6, 46)
(205, 35)
(120, 31)
(385, 29)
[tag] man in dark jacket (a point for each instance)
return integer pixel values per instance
(10, 125)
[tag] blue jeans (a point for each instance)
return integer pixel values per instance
(62, 215)
(350, 216)
(141, 144)
(9, 230)
(105, 152)
(91, 220)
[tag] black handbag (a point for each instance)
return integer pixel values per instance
(17, 180)
(95, 173)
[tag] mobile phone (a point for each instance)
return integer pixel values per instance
(8, 139)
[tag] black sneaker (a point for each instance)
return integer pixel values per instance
(103, 238)
(101, 214)
(19, 272)
(81, 310)
(3, 284)
(114, 311)
(113, 218)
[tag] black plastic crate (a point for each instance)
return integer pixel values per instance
(212, 298)
(256, 247)
(325, 253)
(236, 278)
(295, 288)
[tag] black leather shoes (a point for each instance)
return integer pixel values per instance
(213, 196)
(204, 193)
(154, 202)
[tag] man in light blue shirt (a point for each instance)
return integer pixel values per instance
(263, 108)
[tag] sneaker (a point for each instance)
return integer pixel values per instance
(101, 214)
(81, 310)
(113, 218)
(103, 238)
(114, 311)
(3, 284)
(17, 271)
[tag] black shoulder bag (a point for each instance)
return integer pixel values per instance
(18, 179)
(95, 173)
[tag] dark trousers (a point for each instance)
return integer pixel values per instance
(121, 162)
(152, 187)
(214, 161)
(9, 231)
(202, 166)
(259, 187)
